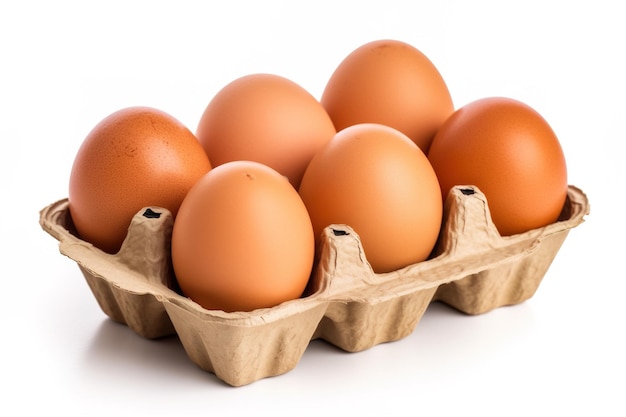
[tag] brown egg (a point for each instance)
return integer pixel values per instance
(242, 239)
(509, 151)
(268, 119)
(376, 180)
(392, 83)
(135, 157)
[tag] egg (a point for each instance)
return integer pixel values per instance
(268, 119)
(389, 82)
(133, 158)
(377, 181)
(510, 152)
(243, 239)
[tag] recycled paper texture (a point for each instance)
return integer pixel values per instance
(472, 269)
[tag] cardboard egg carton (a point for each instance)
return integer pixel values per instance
(472, 269)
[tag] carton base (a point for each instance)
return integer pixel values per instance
(473, 269)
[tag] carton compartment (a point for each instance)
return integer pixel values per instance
(473, 269)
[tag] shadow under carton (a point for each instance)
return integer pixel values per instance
(472, 269)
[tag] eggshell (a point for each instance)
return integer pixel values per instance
(377, 181)
(242, 239)
(268, 119)
(392, 83)
(135, 157)
(509, 151)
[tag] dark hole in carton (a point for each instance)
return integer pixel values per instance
(338, 232)
(468, 191)
(566, 212)
(151, 214)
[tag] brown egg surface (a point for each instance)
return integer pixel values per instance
(510, 152)
(134, 158)
(242, 239)
(268, 119)
(376, 180)
(392, 83)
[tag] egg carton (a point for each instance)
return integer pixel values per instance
(472, 269)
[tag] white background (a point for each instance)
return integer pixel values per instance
(66, 65)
